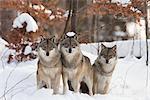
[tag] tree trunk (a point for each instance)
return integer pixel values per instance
(73, 18)
(146, 30)
(6, 19)
(93, 28)
(69, 15)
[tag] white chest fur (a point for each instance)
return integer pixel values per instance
(42, 54)
(111, 64)
(71, 73)
(51, 72)
(70, 57)
(104, 80)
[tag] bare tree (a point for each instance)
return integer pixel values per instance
(146, 30)
(73, 19)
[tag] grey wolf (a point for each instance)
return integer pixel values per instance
(76, 66)
(103, 68)
(49, 66)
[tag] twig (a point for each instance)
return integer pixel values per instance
(28, 86)
(21, 89)
(8, 79)
(124, 83)
(98, 51)
(146, 32)
(67, 21)
(95, 47)
(2, 58)
(15, 85)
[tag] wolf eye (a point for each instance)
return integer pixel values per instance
(110, 56)
(102, 54)
(73, 46)
(65, 45)
(44, 47)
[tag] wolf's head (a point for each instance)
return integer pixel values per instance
(46, 47)
(69, 45)
(108, 54)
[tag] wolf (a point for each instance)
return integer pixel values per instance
(103, 68)
(76, 66)
(49, 66)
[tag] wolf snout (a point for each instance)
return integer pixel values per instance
(70, 50)
(47, 53)
(107, 61)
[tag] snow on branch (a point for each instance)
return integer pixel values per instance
(121, 1)
(25, 17)
(70, 34)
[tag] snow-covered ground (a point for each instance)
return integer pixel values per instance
(18, 81)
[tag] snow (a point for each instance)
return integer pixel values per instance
(2, 44)
(120, 1)
(136, 29)
(18, 80)
(123, 47)
(91, 56)
(28, 50)
(25, 17)
(38, 7)
(41, 7)
(119, 33)
(2, 41)
(49, 12)
(66, 13)
(70, 34)
(51, 17)
(131, 28)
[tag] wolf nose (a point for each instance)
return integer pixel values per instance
(70, 50)
(107, 61)
(47, 53)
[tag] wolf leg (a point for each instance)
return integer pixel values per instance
(49, 83)
(95, 88)
(57, 84)
(76, 85)
(65, 84)
(101, 87)
(106, 88)
(39, 84)
(89, 83)
(95, 84)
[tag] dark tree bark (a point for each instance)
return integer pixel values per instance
(6, 19)
(146, 30)
(93, 25)
(74, 16)
(68, 18)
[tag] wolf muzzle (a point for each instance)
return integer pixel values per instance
(70, 50)
(107, 61)
(47, 53)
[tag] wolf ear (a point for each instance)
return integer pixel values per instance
(103, 46)
(76, 37)
(114, 47)
(53, 39)
(42, 38)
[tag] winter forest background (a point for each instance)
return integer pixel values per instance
(122, 22)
